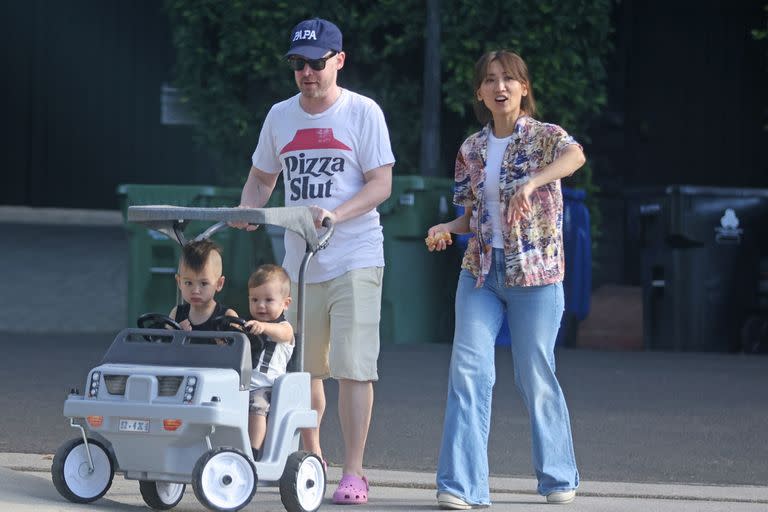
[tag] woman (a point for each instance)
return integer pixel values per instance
(508, 180)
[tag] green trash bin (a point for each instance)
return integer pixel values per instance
(153, 258)
(419, 286)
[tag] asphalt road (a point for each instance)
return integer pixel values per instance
(63, 278)
(637, 416)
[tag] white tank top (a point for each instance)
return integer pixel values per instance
(496, 149)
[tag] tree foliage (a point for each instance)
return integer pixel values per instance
(230, 67)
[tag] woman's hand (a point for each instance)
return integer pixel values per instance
(570, 159)
(438, 238)
(520, 204)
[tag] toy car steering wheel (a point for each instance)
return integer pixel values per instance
(156, 321)
(225, 322)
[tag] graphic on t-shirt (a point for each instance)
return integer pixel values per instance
(314, 138)
(302, 168)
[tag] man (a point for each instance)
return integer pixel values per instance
(332, 146)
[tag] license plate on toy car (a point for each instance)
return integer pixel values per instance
(133, 425)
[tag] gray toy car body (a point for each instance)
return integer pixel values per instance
(170, 408)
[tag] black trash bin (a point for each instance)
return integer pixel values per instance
(700, 251)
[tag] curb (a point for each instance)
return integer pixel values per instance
(60, 216)
(29, 462)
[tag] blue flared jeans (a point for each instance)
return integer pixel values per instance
(533, 314)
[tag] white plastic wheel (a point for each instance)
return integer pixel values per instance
(302, 485)
(224, 479)
(161, 495)
(72, 475)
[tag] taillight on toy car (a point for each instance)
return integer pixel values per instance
(189, 389)
(171, 425)
(95, 421)
(93, 386)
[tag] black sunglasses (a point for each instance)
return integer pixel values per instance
(298, 63)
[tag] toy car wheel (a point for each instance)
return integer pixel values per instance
(302, 486)
(224, 479)
(161, 495)
(72, 475)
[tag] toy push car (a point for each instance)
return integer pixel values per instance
(170, 407)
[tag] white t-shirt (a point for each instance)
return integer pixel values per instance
(323, 158)
(496, 149)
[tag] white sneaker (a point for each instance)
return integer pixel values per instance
(561, 497)
(447, 501)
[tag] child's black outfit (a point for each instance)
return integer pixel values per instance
(182, 313)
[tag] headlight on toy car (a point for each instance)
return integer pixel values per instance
(189, 390)
(93, 384)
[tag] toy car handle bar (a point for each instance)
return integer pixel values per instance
(171, 221)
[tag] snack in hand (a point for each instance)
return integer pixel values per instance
(432, 241)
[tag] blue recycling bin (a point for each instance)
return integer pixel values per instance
(577, 285)
(577, 243)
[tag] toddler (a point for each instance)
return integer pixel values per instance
(199, 279)
(269, 295)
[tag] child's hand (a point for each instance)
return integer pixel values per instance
(254, 327)
(438, 238)
(186, 325)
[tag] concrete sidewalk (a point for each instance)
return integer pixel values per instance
(25, 484)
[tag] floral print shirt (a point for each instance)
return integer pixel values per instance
(533, 247)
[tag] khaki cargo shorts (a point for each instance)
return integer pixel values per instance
(341, 325)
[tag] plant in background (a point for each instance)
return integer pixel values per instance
(230, 69)
(564, 45)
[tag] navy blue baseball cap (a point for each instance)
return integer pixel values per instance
(312, 39)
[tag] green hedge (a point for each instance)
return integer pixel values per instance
(230, 69)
